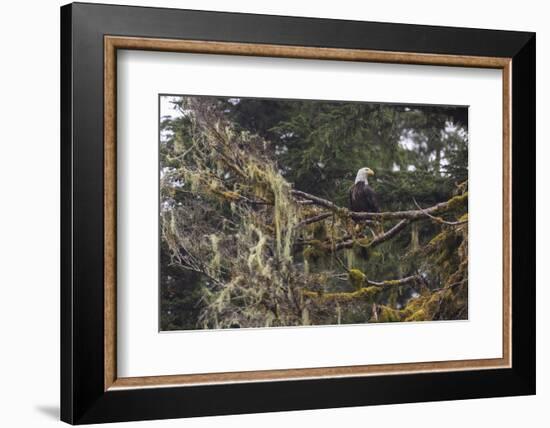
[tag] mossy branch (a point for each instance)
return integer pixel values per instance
(364, 293)
(439, 219)
(454, 202)
(377, 240)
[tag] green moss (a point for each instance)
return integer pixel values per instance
(371, 254)
(357, 278)
(415, 304)
(366, 294)
(391, 282)
(419, 315)
(438, 238)
(388, 314)
(457, 201)
(362, 242)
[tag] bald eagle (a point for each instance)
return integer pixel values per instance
(361, 196)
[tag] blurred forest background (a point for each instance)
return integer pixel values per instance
(255, 224)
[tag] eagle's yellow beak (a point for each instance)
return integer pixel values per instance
(370, 171)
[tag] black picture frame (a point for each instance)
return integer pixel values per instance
(83, 398)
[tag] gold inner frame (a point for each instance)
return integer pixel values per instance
(113, 43)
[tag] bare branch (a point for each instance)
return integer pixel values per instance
(317, 201)
(313, 219)
(395, 282)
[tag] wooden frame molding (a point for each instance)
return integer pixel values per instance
(113, 43)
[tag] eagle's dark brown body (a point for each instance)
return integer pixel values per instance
(362, 198)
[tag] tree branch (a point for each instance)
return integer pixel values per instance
(373, 288)
(317, 201)
(395, 282)
(439, 219)
(455, 201)
(378, 240)
(313, 219)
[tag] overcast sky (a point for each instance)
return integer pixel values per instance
(167, 108)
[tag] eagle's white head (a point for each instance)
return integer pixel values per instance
(363, 174)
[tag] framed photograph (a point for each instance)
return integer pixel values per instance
(266, 213)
